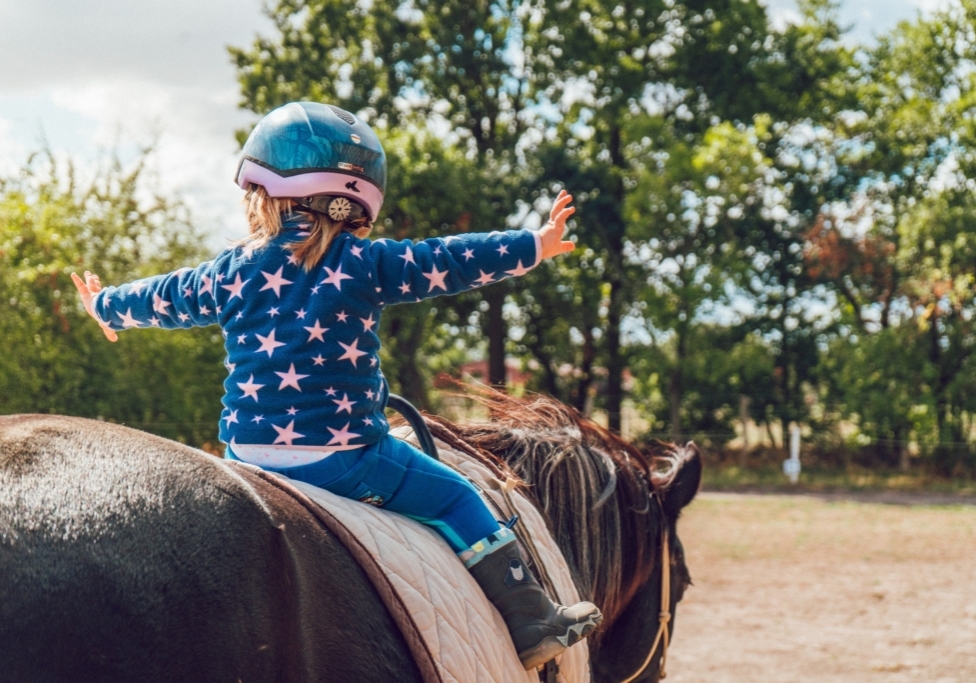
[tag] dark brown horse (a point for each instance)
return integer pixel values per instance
(127, 557)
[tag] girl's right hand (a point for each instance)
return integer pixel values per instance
(88, 288)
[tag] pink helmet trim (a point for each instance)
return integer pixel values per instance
(308, 184)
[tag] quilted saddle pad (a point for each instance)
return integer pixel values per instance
(455, 634)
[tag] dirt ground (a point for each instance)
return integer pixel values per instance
(796, 588)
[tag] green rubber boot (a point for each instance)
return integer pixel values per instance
(540, 628)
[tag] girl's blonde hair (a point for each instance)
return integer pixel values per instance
(264, 218)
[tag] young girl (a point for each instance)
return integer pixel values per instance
(299, 302)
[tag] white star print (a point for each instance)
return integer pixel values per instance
(300, 313)
(230, 367)
(370, 394)
(287, 434)
(502, 250)
(367, 323)
(356, 251)
(232, 418)
(128, 320)
(268, 343)
(293, 259)
(372, 362)
(204, 310)
(187, 291)
(342, 315)
(154, 321)
(367, 422)
(250, 388)
(273, 311)
(241, 338)
(408, 256)
(319, 360)
(257, 419)
(344, 404)
(315, 289)
(330, 392)
(437, 250)
(137, 287)
(290, 378)
(183, 317)
(292, 411)
(519, 270)
(485, 277)
(468, 254)
(240, 314)
(341, 436)
(436, 278)
(316, 332)
(275, 281)
(335, 277)
(220, 277)
(235, 288)
(352, 353)
(159, 305)
(404, 288)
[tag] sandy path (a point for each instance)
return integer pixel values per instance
(791, 588)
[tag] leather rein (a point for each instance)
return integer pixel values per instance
(664, 617)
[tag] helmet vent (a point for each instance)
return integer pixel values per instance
(343, 114)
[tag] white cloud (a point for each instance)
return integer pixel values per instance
(113, 76)
(866, 18)
(44, 42)
(12, 151)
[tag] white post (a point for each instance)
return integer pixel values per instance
(791, 467)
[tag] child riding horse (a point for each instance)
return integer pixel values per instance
(299, 302)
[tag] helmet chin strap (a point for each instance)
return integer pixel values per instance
(336, 208)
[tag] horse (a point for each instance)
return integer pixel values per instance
(128, 557)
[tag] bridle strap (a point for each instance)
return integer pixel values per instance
(664, 617)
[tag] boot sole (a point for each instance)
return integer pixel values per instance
(552, 646)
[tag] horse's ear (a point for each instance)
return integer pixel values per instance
(685, 483)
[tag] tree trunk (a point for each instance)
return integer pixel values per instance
(744, 419)
(407, 332)
(615, 361)
(497, 335)
(901, 450)
(674, 396)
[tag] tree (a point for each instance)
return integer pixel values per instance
(58, 362)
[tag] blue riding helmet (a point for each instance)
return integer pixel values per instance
(305, 149)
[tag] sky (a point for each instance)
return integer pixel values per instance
(84, 79)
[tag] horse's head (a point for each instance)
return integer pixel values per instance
(630, 649)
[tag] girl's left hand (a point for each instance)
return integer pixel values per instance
(551, 234)
(88, 288)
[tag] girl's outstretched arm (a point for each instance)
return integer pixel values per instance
(410, 271)
(182, 299)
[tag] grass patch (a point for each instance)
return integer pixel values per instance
(826, 480)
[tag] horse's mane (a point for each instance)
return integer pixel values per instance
(594, 488)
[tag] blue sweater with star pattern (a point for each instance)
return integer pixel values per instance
(302, 346)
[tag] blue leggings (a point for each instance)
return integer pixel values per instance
(395, 476)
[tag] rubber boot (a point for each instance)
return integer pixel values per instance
(540, 628)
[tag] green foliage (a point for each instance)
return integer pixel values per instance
(767, 213)
(57, 360)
